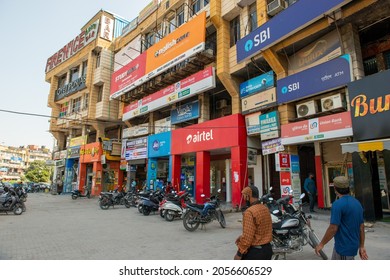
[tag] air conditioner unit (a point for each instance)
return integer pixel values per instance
(221, 104)
(306, 109)
(276, 6)
(332, 102)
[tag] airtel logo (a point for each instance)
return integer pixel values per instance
(200, 137)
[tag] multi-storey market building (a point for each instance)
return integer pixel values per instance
(209, 93)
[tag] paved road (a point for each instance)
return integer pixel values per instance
(57, 227)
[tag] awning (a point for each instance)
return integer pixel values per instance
(365, 146)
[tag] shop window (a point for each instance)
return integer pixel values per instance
(76, 105)
(234, 31)
(370, 66)
(84, 68)
(252, 22)
(62, 81)
(64, 109)
(180, 15)
(100, 94)
(387, 59)
(74, 74)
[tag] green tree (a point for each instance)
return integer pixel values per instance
(38, 171)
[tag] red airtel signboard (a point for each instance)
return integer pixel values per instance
(224, 132)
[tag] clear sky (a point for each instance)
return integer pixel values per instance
(32, 31)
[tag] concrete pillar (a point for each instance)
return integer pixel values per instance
(202, 175)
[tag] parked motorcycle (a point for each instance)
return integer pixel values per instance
(197, 214)
(172, 207)
(292, 230)
(77, 193)
(10, 202)
(152, 203)
(107, 199)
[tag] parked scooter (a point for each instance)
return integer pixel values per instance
(197, 214)
(107, 199)
(77, 193)
(10, 202)
(172, 207)
(151, 204)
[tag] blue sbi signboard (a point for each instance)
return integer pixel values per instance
(185, 112)
(159, 145)
(324, 77)
(257, 84)
(292, 19)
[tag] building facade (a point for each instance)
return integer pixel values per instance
(207, 93)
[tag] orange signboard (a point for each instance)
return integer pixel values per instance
(90, 152)
(176, 46)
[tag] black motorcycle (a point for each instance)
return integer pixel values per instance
(291, 229)
(107, 199)
(151, 203)
(78, 193)
(10, 202)
(196, 214)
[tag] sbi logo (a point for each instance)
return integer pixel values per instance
(248, 45)
(290, 88)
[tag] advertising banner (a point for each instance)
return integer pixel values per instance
(86, 36)
(128, 53)
(90, 152)
(322, 50)
(370, 106)
(159, 145)
(258, 101)
(328, 127)
(177, 46)
(128, 77)
(78, 141)
(190, 86)
(257, 84)
(269, 125)
(324, 77)
(136, 148)
(135, 131)
(162, 125)
(284, 24)
(272, 146)
(252, 122)
(185, 112)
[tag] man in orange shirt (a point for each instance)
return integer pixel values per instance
(255, 241)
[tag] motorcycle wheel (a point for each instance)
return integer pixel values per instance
(221, 219)
(18, 209)
(314, 241)
(74, 196)
(140, 208)
(146, 211)
(169, 216)
(191, 221)
(162, 213)
(127, 203)
(104, 204)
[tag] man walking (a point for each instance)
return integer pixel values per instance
(254, 243)
(346, 225)
(310, 188)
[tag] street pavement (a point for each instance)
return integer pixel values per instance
(55, 227)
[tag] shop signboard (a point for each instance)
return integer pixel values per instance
(159, 145)
(78, 141)
(74, 152)
(370, 105)
(136, 131)
(136, 148)
(190, 86)
(269, 125)
(186, 112)
(324, 77)
(91, 152)
(284, 24)
(257, 84)
(272, 146)
(252, 122)
(259, 101)
(86, 36)
(215, 134)
(162, 125)
(317, 129)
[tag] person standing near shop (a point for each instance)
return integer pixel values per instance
(255, 241)
(311, 189)
(346, 224)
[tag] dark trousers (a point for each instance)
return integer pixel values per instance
(312, 200)
(255, 253)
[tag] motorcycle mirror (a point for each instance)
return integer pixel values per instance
(271, 199)
(302, 196)
(275, 212)
(270, 189)
(219, 190)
